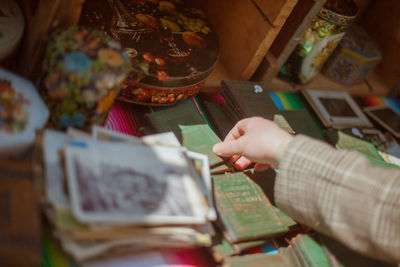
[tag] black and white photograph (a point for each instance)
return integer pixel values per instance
(336, 108)
(144, 186)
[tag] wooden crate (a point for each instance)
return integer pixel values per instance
(381, 20)
(246, 30)
(378, 17)
(287, 39)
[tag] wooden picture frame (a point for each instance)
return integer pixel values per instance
(336, 108)
(385, 116)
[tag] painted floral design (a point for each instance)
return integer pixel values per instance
(170, 44)
(111, 57)
(13, 113)
(76, 61)
(83, 67)
(75, 120)
(141, 94)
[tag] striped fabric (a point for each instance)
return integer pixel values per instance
(123, 118)
(340, 194)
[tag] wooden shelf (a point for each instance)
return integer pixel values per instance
(246, 30)
(321, 82)
(372, 86)
(384, 28)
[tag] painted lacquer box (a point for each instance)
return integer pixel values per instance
(354, 58)
(84, 71)
(22, 113)
(172, 47)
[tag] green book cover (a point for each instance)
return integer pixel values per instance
(346, 141)
(290, 254)
(245, 211)
(222, 249)
(310, 251)
(170, 118)
(257, 260)
(201, 138)
(285, 219)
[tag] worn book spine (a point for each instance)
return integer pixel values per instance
(245, 211)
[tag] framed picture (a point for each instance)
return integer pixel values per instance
(336, 109)
(386, 117)
(141, 186)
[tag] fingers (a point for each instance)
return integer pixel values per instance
(228, 148)
(259, 167)
(242, 163)
(234, 158)
(237, 131)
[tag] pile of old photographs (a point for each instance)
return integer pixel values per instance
(108, 193)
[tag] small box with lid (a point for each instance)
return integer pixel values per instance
(355, 57)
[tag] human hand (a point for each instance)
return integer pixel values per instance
(253, 140)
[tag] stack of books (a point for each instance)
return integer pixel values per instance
(108, 193)
(242, 99)
(246, 217)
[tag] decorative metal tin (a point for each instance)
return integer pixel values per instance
(139, 93)
(354, 58)
(11, 27)
(172, 47)
(85, 69)
(319, 41)
(22, 113)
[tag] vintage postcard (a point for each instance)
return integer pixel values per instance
(202, 173)
(140, 186)
(74, 133)
(103, 134)
(161, 139)
(53, 143)
(336, 108)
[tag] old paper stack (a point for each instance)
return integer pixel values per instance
(110, 193)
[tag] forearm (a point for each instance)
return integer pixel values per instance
(340, 194)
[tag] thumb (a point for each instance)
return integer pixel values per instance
(228, 148)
